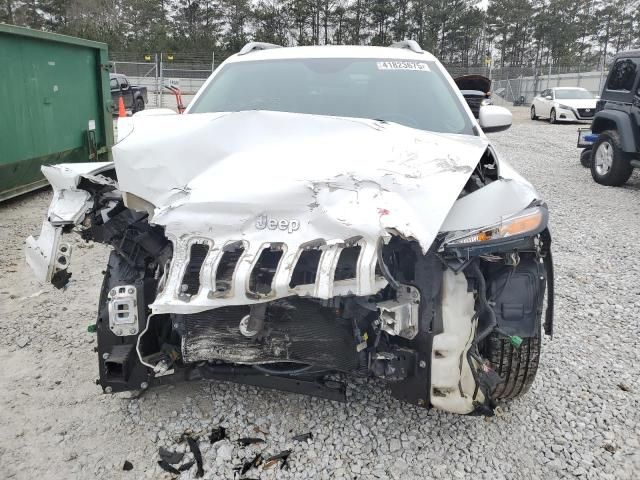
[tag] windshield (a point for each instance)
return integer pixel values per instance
(415, 94)
(573, 94)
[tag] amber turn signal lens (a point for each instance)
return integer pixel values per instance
(523, 224)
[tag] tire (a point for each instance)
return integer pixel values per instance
(552, 116)
(517, 367)
(585, 158)
(610, 166)
(533, 113)
(138, 105)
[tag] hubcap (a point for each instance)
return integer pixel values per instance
(604, 158)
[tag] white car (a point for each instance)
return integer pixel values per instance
(315, 210)
(564, 104)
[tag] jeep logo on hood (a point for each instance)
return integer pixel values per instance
(272, 223)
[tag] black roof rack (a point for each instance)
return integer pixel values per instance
(408, 44)
(252, 46)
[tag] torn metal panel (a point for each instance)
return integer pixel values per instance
(47, 255)
(227, 178)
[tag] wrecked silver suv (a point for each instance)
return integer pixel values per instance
(317, 210)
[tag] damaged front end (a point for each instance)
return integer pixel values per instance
(400, 264)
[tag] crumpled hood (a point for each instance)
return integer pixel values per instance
(221, 173)
(290, 182)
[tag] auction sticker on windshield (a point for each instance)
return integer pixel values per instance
(403, 65)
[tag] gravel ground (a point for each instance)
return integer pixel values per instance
(581, 418)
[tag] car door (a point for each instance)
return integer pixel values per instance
(537, 102)
(127, 92)
(543, 111)
(115, 90)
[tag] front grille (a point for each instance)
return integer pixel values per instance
(295, 330)
(586, 112)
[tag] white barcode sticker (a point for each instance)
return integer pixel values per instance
(403, 65)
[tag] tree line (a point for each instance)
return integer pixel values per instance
(519, 33)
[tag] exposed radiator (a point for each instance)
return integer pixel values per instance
(294, 330)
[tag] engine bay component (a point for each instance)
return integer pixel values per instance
(123, 310)
(400, 316)
(295, 330)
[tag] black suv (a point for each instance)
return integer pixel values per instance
(612, 148)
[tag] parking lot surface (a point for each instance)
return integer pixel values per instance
(580, 419)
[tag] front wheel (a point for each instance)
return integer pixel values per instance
(138, 105)
(517, 367)
(533, 113)
(609, 164)
(552, 117)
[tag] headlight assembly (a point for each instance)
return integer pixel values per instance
(528, 222)
(565, 107)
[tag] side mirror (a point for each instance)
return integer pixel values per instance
(549, 97)
(494, 119)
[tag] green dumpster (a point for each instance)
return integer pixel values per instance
(55, 105)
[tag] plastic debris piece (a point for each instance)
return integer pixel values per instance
(168, 468)
(624, 387)
(270, 463)
(284, 455)
(303, 437)
(169, 456)
(92, 328)
(257, 460)
(186, 466)
(197, 454)
(127, 466)
(249, 441)
(23, 341)
(217, 434)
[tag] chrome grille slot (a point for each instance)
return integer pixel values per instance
(190, 284)
(264, 270)
(226, 268)
(306, 269)
(347, 267)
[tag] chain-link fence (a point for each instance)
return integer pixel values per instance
(188, 72)
(157, 71)
(518, 85)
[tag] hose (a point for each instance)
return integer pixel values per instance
(383, 267)
(485, 307)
